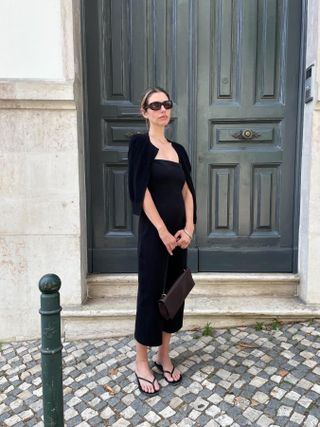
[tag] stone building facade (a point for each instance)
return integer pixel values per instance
(43, 225)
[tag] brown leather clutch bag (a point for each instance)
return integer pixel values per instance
(170, 303)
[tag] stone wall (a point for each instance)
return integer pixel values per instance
(41, 163)
(309, 234)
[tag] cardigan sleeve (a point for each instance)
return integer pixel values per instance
(138, 171)
(185, 162)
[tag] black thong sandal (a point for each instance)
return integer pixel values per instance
(148, 381)
(160, 367)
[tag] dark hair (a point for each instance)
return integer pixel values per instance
(148, 93)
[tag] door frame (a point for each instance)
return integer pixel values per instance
(300, 120)
(82, 105)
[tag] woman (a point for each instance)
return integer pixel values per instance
(162, 193)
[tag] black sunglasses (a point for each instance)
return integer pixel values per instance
(156, 105)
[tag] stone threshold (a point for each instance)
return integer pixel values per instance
(210, 284)
(202, 278)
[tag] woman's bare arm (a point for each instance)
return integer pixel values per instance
(188, 203)
(184, 236)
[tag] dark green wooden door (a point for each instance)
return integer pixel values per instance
(227, 65)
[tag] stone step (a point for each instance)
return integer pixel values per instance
(210, 284)
(107, 317)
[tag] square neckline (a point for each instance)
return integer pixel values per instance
(166, 160)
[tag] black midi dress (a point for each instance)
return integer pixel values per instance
(157, 269)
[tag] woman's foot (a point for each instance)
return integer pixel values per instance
(170, 373)
(146, 379)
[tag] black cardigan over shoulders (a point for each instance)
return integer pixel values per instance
(140, 157)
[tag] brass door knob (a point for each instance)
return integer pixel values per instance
(247, 133)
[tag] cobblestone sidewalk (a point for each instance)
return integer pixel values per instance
(238, 377)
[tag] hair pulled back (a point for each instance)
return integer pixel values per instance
(145, 98)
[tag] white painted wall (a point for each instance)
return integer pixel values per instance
(309, 233)
(41, 227)
(31, 41)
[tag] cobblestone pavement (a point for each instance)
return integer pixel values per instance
(238, 377)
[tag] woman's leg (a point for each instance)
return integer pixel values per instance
(143, 370)
(163, 358)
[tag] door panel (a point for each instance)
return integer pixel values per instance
(246, 133)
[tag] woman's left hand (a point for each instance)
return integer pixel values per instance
(183, 240)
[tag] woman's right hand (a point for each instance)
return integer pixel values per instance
(168, 239)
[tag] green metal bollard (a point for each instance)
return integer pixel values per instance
(51, 346)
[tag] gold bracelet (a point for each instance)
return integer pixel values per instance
(190, 237)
